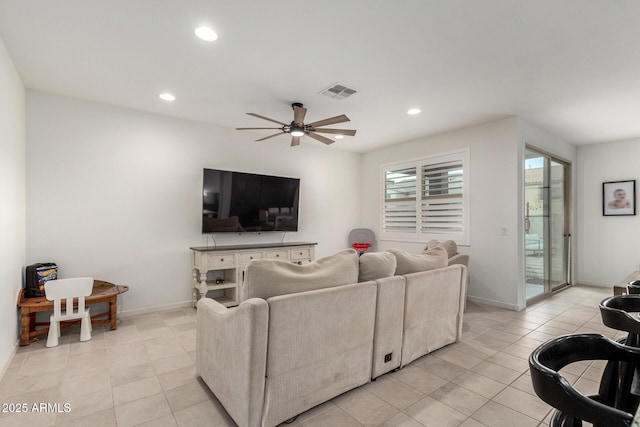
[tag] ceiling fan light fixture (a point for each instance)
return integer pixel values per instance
(338, 136)
(166, 96)
(296, 131)
(414, 111)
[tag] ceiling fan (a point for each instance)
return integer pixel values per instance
(297, 128)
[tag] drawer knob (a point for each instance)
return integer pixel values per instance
(221, 259)
(277, 255)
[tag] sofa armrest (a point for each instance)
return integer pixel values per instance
(433, 310)
(231, 354)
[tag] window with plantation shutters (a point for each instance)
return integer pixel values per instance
(400, 201)
(427, 199)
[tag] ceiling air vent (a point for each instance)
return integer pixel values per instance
(338, 91)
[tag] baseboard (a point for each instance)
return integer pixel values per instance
(597, 284)
(134, 312)
(514, 307)
(9, 360)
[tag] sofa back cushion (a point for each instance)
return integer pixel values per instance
(376, 265)
(266, 278)
(413, 263)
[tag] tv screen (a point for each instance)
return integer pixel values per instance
(245, 202)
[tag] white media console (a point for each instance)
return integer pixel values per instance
(219, 271)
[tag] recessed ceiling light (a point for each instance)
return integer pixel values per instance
(206, 34)
(414, 111)
(338, 136)
(167, 96)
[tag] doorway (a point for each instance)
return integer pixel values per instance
(546, 239)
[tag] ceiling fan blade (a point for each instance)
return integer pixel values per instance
(347, 132)
(255, 128)
(298, 114)
(270, 136)
(295, 140)
(320, 138)
(266, 118)
(331, 121)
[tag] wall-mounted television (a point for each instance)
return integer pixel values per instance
(240, 202)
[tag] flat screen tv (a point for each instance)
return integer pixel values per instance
(239, 202)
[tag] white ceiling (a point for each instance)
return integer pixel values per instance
(571, 67)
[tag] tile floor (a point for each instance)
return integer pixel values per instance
(144, 374)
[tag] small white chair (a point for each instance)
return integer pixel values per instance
(68, 289)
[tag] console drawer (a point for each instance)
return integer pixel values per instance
(244, 258)
(300, 253)
(283, 255)
(224, 260)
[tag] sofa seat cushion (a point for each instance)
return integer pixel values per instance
(266, 278)
(413, 263)
(376, 265)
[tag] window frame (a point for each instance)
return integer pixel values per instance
(418, 235)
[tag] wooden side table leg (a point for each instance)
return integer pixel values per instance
(26, 327)
(113, 309)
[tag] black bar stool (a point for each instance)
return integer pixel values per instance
(572, 407)
(633, 287)
(621, 313)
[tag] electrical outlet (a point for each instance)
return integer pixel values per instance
(387, 357)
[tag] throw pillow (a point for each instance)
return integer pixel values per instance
(376, 265)
(427, 260)
(266, 278)
(449, 245)
(432, 244)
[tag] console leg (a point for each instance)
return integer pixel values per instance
(203, 285)
(194, 285)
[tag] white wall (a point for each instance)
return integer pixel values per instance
(12, 207)
(493, 192)
(116, 194)
(608, 245)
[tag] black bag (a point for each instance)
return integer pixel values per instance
(36, 276)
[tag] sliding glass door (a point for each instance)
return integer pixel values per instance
(546, 240)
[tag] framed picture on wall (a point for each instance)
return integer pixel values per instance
(619, 198)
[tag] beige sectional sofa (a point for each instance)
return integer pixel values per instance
(305, 334)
